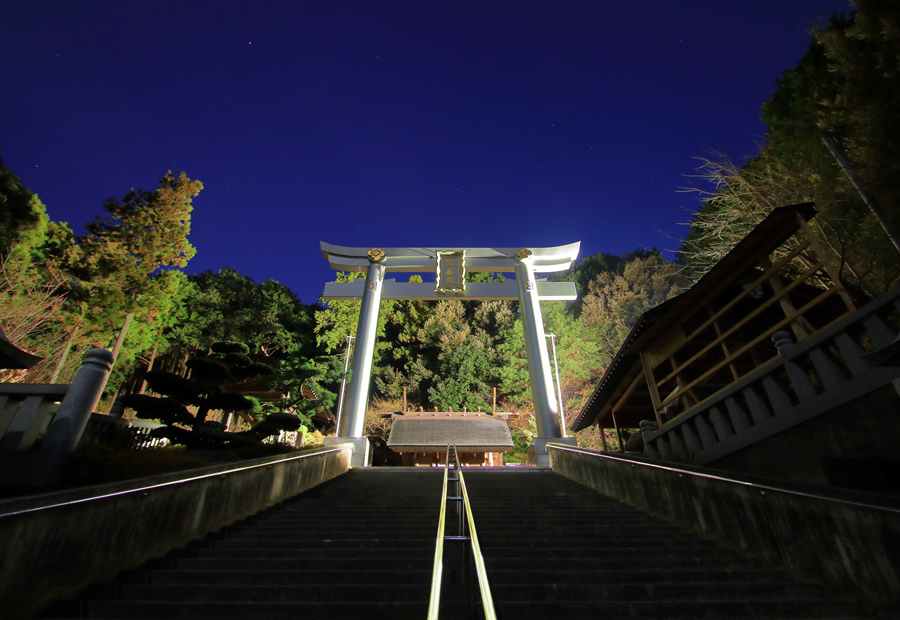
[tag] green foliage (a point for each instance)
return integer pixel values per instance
(227, 306)
(340, 318)
(123, 265)
(308, 385)
(21, 213)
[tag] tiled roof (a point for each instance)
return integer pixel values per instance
(483, 432)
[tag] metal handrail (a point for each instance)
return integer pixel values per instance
(487, 600)
(434, 601)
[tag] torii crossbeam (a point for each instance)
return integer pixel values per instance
(450, 265)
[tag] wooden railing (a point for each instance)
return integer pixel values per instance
(805, 380)
(123, 432)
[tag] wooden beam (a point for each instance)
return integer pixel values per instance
(830, 269)
(765, 305)
(799, 326)
(766, 334)
(652, 388)
(618, 432)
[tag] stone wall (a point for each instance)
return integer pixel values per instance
(54, 545)
(847, 538)
(854, 447)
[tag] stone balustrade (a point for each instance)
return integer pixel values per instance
(41, 424)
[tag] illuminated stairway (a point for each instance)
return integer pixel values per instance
(556, 549)
(359, 546)
(362, 545)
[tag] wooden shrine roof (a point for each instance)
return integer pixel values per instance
(424, 432)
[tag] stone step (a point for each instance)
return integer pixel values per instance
(721, 589)
(362, 559)
(618, 574)
(610, 543)
(674, 562)
(317, 576)
(396, 549)
(255, 610)
(362, 545)
(275, 593)
(811, 609)
(331, 530)
(619, 554)
(315, 542)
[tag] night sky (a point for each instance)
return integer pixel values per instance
(391, 123)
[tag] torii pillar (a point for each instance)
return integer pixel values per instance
(450, 284)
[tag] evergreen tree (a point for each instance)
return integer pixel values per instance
(21, 212)
(210, 387)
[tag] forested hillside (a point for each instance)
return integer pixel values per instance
(120, 282)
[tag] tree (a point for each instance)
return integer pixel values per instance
(210, 387)
(21, 212)
(339, 318)
(123, 264)
(227, 306)
(862, 110)
(842, 87)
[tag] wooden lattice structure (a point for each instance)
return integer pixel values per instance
(699, 343)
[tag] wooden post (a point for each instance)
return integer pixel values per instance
(65, 354)
(800, 326)
(404, 400)
(618, 432)
(651, 386)
(149, 368)
(830, 269)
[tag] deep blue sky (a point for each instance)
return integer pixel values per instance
(391, 123)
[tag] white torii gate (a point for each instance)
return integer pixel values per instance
(450, 266)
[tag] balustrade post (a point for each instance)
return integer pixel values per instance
(646, 431)
(75, 411)
(800, 381)
(76, 407)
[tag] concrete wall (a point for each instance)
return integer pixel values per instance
(848, 538)
(53, 545)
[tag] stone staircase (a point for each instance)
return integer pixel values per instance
(358, 546)
(556, 549)
(362, 546)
